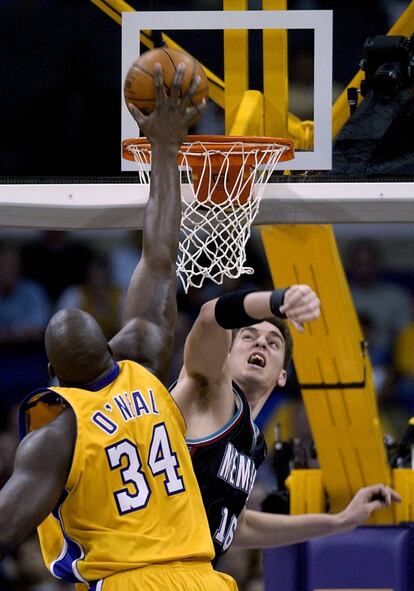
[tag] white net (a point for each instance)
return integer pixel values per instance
(222, 186)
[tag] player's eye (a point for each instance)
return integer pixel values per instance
(274, 344)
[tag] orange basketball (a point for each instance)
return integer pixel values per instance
(139, 87)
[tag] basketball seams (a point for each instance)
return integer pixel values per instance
(130, 92)
(174, 65)
(143, 100)
(139, 87)
(140, 68)
(169, 57)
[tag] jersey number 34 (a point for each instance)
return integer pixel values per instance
(161, 460)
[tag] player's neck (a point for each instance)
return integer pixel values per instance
(255, 395)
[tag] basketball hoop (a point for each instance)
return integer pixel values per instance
(224, 180)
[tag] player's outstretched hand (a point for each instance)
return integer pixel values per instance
(367, 500)
(169, 122)
(300, 304)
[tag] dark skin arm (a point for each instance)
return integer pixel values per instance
(43, 459)
(150, 312)
(41, 467)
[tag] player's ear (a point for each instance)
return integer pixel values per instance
(281, 380)
(51, 371)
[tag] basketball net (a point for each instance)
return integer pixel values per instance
(222, 182)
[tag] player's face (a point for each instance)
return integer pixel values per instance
(257, 355)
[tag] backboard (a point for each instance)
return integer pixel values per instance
(60, 162)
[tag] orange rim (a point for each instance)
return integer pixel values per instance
(221, 143)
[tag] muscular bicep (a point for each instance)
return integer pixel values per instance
(42, 463)
(149, 318)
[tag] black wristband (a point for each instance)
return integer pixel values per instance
(230, 312)
(276, 300)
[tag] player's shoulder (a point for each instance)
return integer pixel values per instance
(139, 340)
(61, 426)
(53, 439)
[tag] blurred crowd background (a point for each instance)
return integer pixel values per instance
(44, 271)
(60, 94)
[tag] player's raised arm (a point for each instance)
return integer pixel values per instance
(209, 340)
(150, 312)
(208, 343)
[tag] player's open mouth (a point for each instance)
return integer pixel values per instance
(257, 359)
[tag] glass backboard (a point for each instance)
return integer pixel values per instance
(63, 115)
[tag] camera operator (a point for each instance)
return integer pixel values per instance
(378, 138)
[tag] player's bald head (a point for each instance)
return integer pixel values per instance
(76, 347)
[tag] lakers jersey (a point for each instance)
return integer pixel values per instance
(131, 497)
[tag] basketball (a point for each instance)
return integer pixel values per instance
(139, 87)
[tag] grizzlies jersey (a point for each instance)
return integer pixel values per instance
(226, 464)
(131, 497)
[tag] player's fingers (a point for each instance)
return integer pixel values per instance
(374, 489)
(374, 505)
(310, 304)
(380, 492)
(193, 88)
(196, 110)
(159, 85)
(291, 298)
(136, 113)
(395, 497)
(299, 294)
(298, 325)
(391, 495)
(386, 496)
(305, 312)
(178, 78)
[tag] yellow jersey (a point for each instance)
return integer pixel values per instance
(131, 498)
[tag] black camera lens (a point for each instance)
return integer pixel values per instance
(387, 80)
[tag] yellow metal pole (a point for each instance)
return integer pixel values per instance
(109, 10)
(301, 132)
(119, 6)
(236, 65)
(249, 116)
(403, 482)
(306, 492)
(331, 364)
(275, 76)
